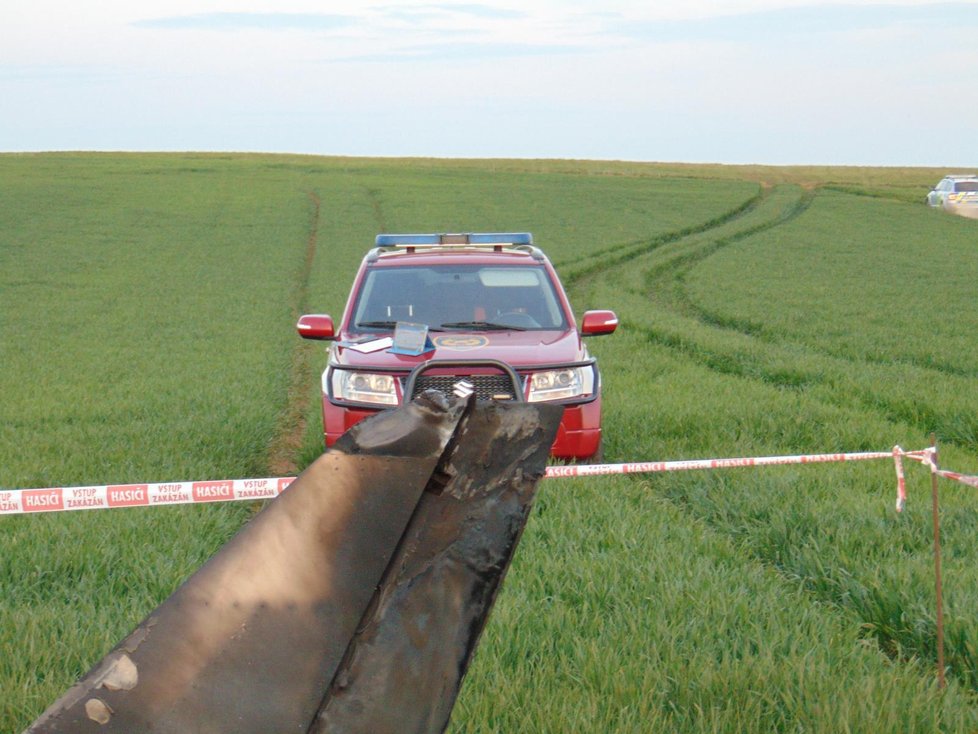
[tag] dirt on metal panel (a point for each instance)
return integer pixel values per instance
(352, 603)
(405, 666)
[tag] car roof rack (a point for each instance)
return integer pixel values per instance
(495, 241)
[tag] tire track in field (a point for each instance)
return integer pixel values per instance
(663, 283)
(684, 304)
(373, 196)
(290, 429)
(659, 274)
(672, 273)
(653, 269)
(681, 262)
(888, 621)
(596, 263)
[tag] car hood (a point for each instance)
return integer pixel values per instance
(519, 349)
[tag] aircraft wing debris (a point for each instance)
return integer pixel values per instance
(352, 603)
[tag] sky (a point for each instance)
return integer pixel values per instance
(888, 82)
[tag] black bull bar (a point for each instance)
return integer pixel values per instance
(352, 603)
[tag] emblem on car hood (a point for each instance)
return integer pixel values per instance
(460, 342)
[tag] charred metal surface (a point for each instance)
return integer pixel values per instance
(353, 603)
(251, 641)
(405, 665)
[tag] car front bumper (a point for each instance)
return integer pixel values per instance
(578, 437)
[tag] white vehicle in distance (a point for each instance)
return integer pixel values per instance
(956, 193)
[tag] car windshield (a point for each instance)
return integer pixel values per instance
(960, 186)
(458, 297)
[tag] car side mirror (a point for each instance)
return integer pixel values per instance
(316, 326)
(595, 323)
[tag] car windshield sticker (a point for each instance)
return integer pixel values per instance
(461, 342)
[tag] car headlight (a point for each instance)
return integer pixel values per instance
(571, 382)
(364, 387)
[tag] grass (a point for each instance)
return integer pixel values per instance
(762, 341)
(622, 614)
(147, 312)
(914, 306)
(142, 313)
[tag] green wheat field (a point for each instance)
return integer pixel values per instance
(147, 306)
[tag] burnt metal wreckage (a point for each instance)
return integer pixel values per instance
(352, 603)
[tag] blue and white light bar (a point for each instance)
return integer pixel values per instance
(463, 238)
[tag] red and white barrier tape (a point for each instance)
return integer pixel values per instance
(971, 481)
(648, 467)
(59, 499)
(927, 457)
(901, 500)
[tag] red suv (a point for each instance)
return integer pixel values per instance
(460, 313)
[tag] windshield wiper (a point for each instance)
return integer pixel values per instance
(377, 324)
(387, 325)
(481, 326)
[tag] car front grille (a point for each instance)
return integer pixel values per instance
(487, 387)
